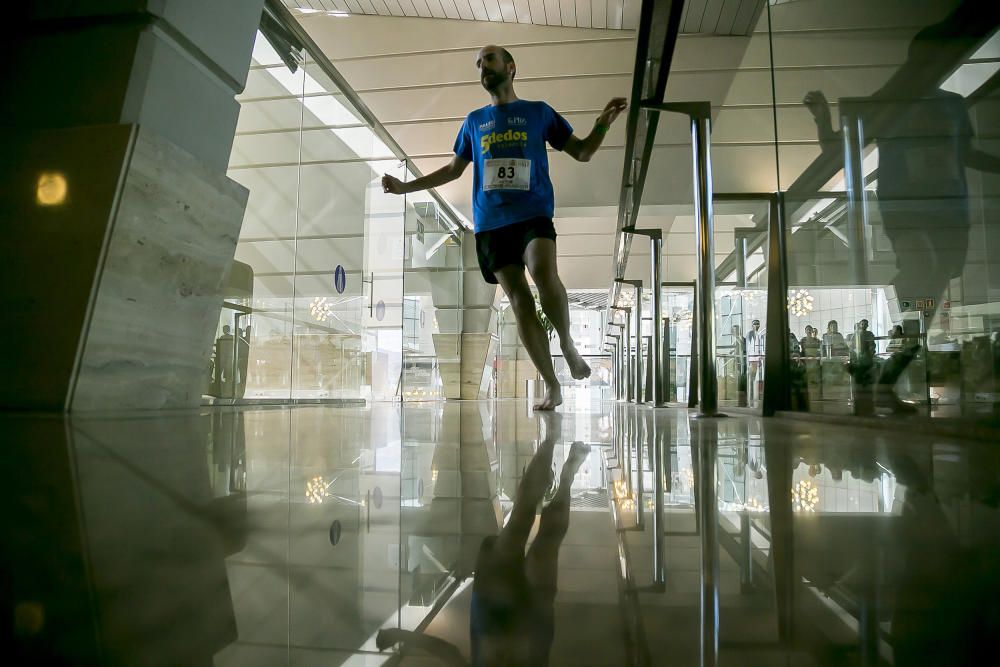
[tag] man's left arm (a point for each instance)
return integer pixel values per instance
(583, 149)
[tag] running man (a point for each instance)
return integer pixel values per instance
(513, 204)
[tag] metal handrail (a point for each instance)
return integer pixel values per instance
(659, 26)
(284, 17)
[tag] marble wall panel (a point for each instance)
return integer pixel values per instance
(157, 300)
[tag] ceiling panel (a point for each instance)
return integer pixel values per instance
(700, 16)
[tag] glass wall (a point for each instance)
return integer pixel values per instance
(316, 307)
(888, 154)
(515, 375)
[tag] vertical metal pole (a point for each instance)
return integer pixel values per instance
(628, 436)
(627, 337)
(667, 384)
(707, 503)
(656, 463)
(614, 370)
(857, 211)
(777, 360)
(638, 377)
(741, 261)
(693, 359)
(640, 485)
(701, 140)
(656, 249)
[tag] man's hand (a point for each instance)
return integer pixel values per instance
(816, 102)
(612, 110)
(393, 185)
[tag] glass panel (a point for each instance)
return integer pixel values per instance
(432, 306)
(741, 300)
(264, 160)
(891, 230)
(678, 307)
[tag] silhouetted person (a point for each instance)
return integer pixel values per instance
(810, 343)
(924, 141)
(513, 593)
(755, 356)
(243, 360)
(793, 345)
(834, 344)
(895, 339)
(224, 362)
(862, 367)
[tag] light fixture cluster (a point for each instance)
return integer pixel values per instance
(321, 309)
(805, 496)
(800, 303)
(626, 299)
(316, 490)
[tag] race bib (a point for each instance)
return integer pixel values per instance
(506, 174)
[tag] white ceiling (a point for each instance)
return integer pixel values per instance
(418, 76)
(605, 14)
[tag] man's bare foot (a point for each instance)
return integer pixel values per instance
(552, 398)
(577, 455)
(553, 426)
(578, 368)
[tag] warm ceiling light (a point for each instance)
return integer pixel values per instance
(51, 189)
(800, 303)
(805, 496)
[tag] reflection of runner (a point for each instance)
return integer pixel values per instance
(512, 616)
(513, 203)
(925, 143)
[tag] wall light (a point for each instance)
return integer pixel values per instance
(51, 189)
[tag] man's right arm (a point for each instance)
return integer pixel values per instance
(445, 174)
(818, 106)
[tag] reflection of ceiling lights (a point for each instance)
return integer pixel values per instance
(753, 505)
(316, 489)
(626, 299)
(320, 309)
(748, 295)
(805, 496)
(800, 303)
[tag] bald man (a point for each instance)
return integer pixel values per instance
(513, 204)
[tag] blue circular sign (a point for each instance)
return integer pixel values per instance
(340, 279)
(380, 311)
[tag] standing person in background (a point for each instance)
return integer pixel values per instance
(810, 343)
(834, 344)
(755, 357)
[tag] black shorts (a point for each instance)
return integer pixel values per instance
(505, 246)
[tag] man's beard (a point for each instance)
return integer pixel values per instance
(493, 80)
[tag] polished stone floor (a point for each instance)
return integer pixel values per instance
(481, 533)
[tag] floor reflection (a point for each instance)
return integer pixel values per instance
(482, 533)
(512, 618)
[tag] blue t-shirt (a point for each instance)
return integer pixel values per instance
(499, 140)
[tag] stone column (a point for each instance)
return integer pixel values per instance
(120, 121)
